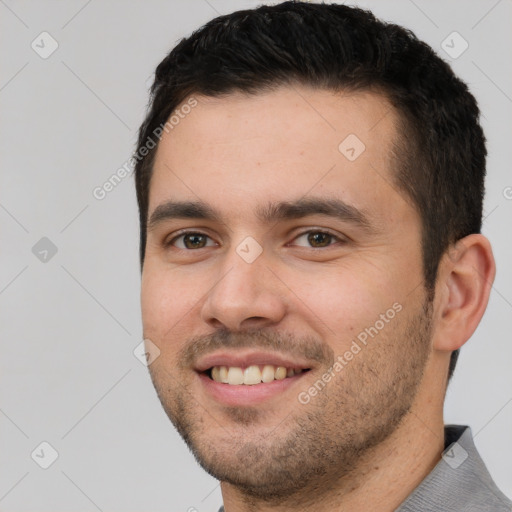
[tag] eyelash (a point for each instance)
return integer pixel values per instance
(192, 232)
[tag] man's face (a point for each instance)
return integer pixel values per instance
(302, 254)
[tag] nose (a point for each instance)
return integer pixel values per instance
(247, 296)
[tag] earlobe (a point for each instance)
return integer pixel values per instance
(466, 275)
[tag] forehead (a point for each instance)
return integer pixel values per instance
(234, 151)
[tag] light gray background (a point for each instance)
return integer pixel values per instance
(69, 325)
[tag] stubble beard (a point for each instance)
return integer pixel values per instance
(317, 445)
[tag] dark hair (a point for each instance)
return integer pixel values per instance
(440, 153)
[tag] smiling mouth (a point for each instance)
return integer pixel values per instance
(251, 375)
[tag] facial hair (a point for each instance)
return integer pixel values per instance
(316, 444)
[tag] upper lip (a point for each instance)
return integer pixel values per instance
(246, 358)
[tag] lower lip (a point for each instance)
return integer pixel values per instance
(243, 394)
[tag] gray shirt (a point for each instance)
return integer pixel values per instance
(460, 481)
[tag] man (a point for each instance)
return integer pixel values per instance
(312, 260)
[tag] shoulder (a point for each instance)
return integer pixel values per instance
(459, 482)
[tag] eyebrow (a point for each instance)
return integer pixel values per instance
(268, 214)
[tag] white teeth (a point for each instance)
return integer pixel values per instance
(280, 373)
(235, 375)
(267, 375)
(251, 375)
(223, 374)
(216, 373)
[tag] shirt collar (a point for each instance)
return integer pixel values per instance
(459, 481)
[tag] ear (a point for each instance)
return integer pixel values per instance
(466, 274)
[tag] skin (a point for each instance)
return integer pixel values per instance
(375, 431)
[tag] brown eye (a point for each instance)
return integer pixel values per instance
(192, 240)
(315, 239)
(319, 239)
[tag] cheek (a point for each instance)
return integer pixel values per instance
(343, 301)
(165, 301)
